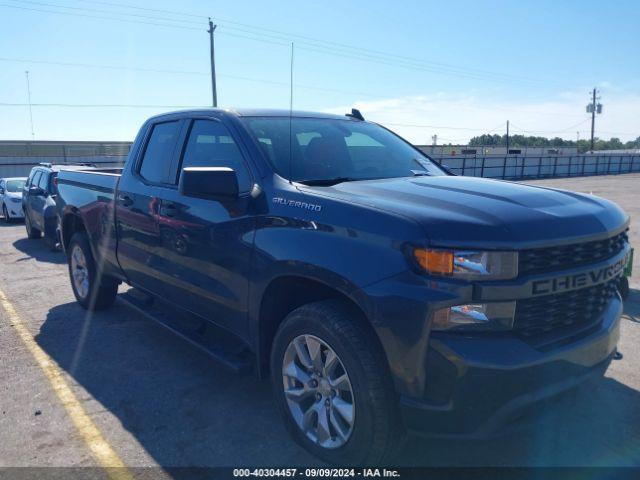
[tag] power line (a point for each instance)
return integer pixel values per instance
(281, 38)
(550, 131)
(413, 125)
(98, 105)
(98, 17)
(187, 72)
(288, 36)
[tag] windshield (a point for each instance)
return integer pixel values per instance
(333, 150)
(15, 185)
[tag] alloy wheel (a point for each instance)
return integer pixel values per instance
(79, 271)
(318, 391)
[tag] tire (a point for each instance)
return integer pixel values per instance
(5, 214)
(53, 239)
(99, 292)
(376, 431)
(32, 232)
(623, 288)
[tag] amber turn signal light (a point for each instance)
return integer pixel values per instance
(434, 261)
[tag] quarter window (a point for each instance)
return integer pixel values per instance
(156, 161)
(210, 145)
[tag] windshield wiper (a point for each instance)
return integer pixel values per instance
(327, 182)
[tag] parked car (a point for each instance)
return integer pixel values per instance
(379, 293)
(39, 202)
(11, 197)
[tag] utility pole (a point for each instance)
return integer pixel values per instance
(214, 91)
(593, 117)
(594, 108)
(507, 137)
(33, 135)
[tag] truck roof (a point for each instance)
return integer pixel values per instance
(257, 112)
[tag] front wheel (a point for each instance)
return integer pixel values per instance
(332, 386)
(92, 290)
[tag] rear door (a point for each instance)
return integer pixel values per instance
(38, 202)
(137, 205)
(206, 245)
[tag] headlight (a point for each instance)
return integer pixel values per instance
(468, 264)
(481, 316)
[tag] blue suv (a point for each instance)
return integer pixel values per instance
(39, 202)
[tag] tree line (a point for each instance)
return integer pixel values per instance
(521, 141)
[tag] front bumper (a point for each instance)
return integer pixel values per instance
(476, 384)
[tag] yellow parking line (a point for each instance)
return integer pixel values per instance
(99, 447)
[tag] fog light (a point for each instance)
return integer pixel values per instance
(476, 316)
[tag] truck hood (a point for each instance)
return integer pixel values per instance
(466, 211)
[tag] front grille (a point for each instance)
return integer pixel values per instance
(551, 259)
(577, 308)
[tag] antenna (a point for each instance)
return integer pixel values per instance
(33, 135)
(291, 115)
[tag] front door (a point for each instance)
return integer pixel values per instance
(38, 202)
(206, 244)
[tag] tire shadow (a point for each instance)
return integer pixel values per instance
(38, 249)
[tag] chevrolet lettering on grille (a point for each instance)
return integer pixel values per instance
(579, 280)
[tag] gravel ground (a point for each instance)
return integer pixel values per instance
(160, 402)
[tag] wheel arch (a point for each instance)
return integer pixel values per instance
(284, 294)
(71, 223)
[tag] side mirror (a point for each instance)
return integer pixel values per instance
(209, 182)
(37, 191)
(1, 191)
(447, 169)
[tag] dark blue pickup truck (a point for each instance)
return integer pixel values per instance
(380, 293)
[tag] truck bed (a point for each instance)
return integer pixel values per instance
(90, 194)
(98, 178)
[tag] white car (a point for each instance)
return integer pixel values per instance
(11, 197)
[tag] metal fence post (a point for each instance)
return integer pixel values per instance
(464, 165)
(584, 159)
(504, 168)
(521, 167)
(482, 167)
(569, 171)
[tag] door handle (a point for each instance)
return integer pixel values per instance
(125, 200)
(169, 209)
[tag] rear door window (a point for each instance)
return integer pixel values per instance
(211, 145)
(35, 179)
(43, 181)
(156, 161)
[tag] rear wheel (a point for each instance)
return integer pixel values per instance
(333, 388)
(32, 232)
(94, 291)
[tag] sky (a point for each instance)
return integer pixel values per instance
(455, 69)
